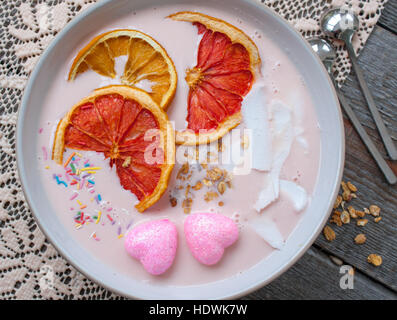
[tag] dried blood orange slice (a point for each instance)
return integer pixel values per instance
(131, 130)
(227, 62)
(147, 60)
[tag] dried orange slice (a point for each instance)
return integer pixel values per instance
(131, 130)
(147, 60)
(227, 62)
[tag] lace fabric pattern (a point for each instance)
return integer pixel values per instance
(30, 267)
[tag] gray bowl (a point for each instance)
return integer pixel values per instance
(327, 186)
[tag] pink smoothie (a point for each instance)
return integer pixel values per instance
(104, 233)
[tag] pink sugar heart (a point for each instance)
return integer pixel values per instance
(208, 234)
(154, 244)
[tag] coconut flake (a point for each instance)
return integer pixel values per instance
(256, 119)
(268, 230)
(282, 138)
(295, 193)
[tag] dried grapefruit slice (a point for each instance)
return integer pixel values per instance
(227, 62)
(131, 130)
(147, 60)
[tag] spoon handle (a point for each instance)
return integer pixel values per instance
(382, 164)
(388, 142)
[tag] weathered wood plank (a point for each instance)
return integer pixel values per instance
(388, 19)
(378, 60)
(314, 276)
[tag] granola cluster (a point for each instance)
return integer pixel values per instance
(214, 179)
(343, 213)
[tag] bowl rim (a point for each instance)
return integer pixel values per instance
(23, 178)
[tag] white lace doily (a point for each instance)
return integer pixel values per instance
(30, 268)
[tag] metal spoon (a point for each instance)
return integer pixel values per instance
(327, 55)
(341, 23)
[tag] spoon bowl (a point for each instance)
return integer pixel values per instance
(325, 51)
(339, 23)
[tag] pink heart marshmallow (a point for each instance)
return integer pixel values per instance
(154, 244)
(208, 234)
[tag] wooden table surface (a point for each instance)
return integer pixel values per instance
(317, 275)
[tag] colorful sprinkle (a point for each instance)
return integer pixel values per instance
(90, 168)
(74, 196)
(93, 235)
(73, 168)
(60, 181)
(99, 217)
(110, 218)
(68, 160)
